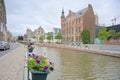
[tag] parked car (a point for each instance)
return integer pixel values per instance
(4, 45)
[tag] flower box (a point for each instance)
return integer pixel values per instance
(39, 75)
(39, 66)
(30, 49)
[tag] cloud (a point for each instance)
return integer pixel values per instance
(31, 14)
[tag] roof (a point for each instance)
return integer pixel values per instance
(81, 12)
(114, 27)
(40, 28)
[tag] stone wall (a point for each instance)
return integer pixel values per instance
(111, 42)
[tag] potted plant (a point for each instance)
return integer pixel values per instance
(30, 48)
(39, 66)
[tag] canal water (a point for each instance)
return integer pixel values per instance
(75, 65)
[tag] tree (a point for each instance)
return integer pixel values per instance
(103, 34)
(49, 36)
(58, 36)
(42, 38)
(34, 37)
(114, 34)
(20, 38)
(118, 35)
(85, 35)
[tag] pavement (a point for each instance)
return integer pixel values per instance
(108, 50)
(11, 64)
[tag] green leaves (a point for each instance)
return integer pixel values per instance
(39, 63)
(42, 38)
(85, 35)
(49, 36)
(114, 34)
(58, 36)
(103, 34)
(31, 63)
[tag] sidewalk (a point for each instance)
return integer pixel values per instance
(11, 64)
(96, 50)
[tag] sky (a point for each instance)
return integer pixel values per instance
(23, 14)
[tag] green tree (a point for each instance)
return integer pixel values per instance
(58, 36)
(49, 37)
(33, 37)
(85, 35)
(114, 34)
(118, 34)
(42, 38)
(103, 34)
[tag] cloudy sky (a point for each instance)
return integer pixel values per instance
(23, 14)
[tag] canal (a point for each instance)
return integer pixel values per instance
(75, 65)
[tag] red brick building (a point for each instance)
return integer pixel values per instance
(75, 22)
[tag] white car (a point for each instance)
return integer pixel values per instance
(4, 45)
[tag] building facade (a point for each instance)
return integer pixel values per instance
(3, 21)
(29, 33)
(9, 36)
(114, 27)
(38, 32)
(56, 30)
(75, 22)
(35, 34)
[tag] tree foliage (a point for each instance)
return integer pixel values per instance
(20, 38)
(49, 36)
(42, 38)
(103, 34)
(58, 36)
(85, 35)
(114, 34)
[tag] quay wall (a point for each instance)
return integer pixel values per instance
(97, 49)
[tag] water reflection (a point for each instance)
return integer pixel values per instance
(74, 65)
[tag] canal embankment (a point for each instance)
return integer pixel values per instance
(108, 50)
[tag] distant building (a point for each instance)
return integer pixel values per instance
(38, 32)
(9, 36)
(114, 27)
(97, 30)
(3, 21)
(56, 30)
(29, 33)
(96, 19)
(35, 35)
(75, 22)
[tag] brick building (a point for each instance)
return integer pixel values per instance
(3, 21)
(76, 22)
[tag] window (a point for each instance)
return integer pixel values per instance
(72, 30)
(79, 20)
(77, 29)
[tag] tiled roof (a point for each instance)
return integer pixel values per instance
(81, 12)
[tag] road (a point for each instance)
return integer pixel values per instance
(12, 47)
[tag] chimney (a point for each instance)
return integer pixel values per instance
(89, 5)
